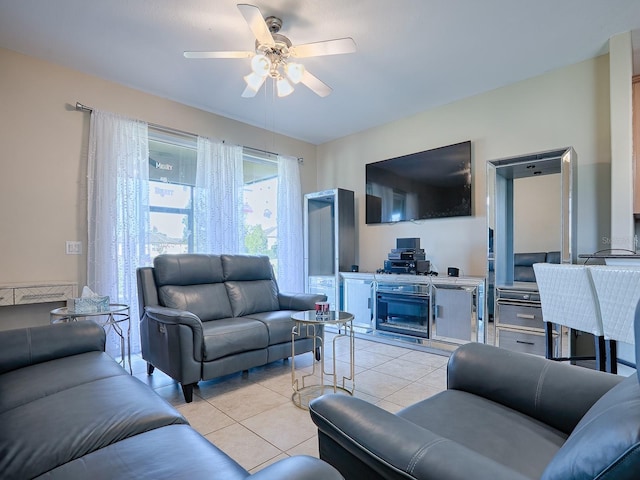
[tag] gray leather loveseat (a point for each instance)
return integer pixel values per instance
(204, 316)
(504, 415)
(69, 411)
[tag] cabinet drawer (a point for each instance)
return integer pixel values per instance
(520, 316)
(6, 296)
(43, 294)
(522, 341)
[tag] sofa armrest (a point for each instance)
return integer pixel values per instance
(299, 301)
(393, 447)
(300, 467)
(27, 346)
(172, 340)
(555, 393)
(172, 316)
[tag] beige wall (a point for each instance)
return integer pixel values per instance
(43, 181)
(567, 107)
(43, 144)
(621, 73)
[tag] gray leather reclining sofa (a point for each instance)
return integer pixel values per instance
(204, 316)
(504, 415)
(69, 411)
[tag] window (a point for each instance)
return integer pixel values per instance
(172, 176)
(261, 204)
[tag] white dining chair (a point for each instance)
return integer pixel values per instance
(618, 293)
(567, 298)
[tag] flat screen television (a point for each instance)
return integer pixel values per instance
(431, 184)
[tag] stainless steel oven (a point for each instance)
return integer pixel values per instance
(403, 308)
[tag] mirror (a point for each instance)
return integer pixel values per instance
(526, 194)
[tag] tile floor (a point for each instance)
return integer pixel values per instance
(252, 418)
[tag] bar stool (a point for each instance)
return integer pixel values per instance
(618, 293)
(568, 298)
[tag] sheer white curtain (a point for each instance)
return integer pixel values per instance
(290, 236)
(117, 208)
(217, 209)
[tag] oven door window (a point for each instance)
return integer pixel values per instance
(406, 314)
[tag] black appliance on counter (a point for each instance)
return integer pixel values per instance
(407, 257)
(403, 308)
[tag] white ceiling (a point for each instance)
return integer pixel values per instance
(412, 55)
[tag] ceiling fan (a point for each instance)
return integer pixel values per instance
(273, 52)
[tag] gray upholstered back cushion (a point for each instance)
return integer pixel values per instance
(208, 301)
(192, 282)
(606, 442)
(246, 267)
(187, 269)
(523, 265)
(255, 296)
(250, 284)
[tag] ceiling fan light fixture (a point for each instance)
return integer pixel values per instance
(254, 81)
(284, 87)
(294, 71)
(272, 52)
(261, 65)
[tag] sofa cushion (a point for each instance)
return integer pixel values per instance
(504, 435)
(233, 335)
(92, 415)
(605, 441)
(246, 267)
(187, 269)
(553, 257)
(171, 452)
(208, 302)
(252, 296)
(48, 378)
(23, 347)
(523, 265)
(279, 325)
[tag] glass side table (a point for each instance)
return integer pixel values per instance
(112, 318)
(307, 323)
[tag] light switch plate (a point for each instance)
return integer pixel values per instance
(74, 248)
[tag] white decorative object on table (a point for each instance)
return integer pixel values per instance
(89, 302)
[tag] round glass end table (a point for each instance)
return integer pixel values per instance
(112, 318)
(310, 325)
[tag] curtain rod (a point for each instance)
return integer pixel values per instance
(83, 108)
(259, 150)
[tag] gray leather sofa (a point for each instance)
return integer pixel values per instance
(69, 411)
(523, 264)
(504, 415)
(204, 316)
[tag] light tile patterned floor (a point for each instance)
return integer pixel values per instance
(252, 418)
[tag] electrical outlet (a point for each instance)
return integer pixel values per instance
(74, 248)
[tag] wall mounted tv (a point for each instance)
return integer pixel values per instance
(431, 184)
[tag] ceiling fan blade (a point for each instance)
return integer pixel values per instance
(229, 54)
(328, 47)
(316, 85)
(249, 92)
(256, 22)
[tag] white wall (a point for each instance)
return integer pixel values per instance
(43, 164)
(621, 72)
(567, 107)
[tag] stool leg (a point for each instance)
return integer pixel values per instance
(602, 356)
(548, 337)
(611, 354)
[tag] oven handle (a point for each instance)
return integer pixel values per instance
(402, 294)
(396, 297)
